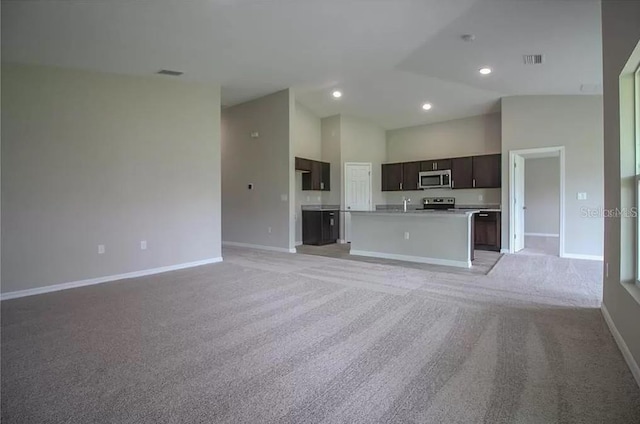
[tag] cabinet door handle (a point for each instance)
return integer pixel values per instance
(474, 183)
(435, 166)
(332, 222)
(453, 184)
(400, 186)
(321, 186)
(483, 214)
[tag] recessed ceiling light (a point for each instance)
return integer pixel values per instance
(426, 106)
(485, 71)
(337, 94)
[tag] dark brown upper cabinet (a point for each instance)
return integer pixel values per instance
(435, 165)
(466, 172)
(316, 176)
(410, 171)
(487, 171)
(325, 182)
(392, 176)
(462, 172)
(303, 164)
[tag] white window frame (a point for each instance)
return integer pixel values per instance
(636, 89)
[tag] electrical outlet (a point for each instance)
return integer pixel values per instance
(480, 197)
(101, 249)
(143, 245)
(269, 230)
(308, 198)
(582, 196)
(406, 235)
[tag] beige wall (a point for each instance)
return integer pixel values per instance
(330, 133)
(307, 138)
(576, 123)
(460, 137)
(363, 141)
(542, 195)
(90, 158)
(620, 35)
(307, 143)
(267, 163)
(475, 135)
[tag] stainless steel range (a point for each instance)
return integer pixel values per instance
(439, 203)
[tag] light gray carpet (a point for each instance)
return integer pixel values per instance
(268, 337)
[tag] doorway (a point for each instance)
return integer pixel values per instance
(536, 200)
(357, 193)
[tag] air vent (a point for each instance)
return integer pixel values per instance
(170, 72)
(533, 59)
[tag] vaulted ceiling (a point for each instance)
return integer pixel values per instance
(387, 56)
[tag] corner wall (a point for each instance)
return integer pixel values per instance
(574, 122)
(267, 162)
(91, 158)
(307, 143)
(621, 299)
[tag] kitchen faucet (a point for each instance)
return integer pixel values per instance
(405, 200)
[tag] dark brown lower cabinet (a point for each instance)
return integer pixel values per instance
(320, 227)
(487, 231)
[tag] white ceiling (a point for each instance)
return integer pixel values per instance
(387, 56)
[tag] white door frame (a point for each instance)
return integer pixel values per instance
(551, 151)
(346, 221)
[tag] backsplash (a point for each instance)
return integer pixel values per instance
(490, 196)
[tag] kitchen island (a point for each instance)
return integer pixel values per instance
(425, 236)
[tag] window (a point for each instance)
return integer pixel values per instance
(636, 87)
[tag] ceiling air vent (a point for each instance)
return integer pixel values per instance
(170, 72)
(533, 59)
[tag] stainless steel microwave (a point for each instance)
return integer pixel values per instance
(435, 179)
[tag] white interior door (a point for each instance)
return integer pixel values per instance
(518, 203)
(357, 192)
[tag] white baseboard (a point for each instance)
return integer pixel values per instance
(541, 235)
(580, 256)
(407, 258)
(106, 279)
(298, 243)
(504, 250)
(342, 241)
(626, 353)
(258, 246)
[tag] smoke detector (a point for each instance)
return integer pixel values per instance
(170, 72)
(533, 59)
